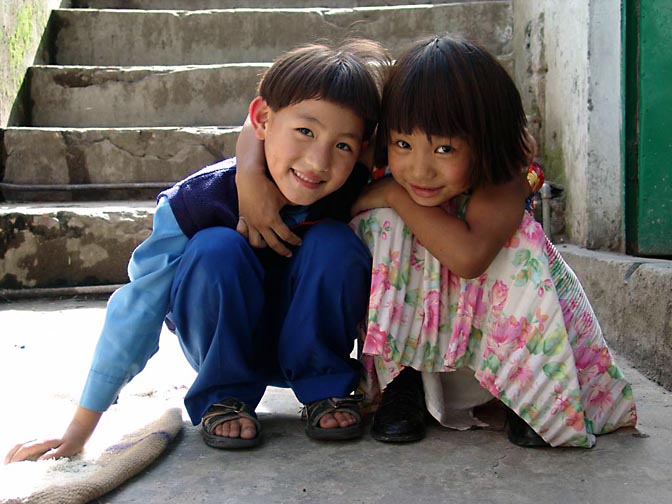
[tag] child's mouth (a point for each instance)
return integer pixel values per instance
(306, 180)
(425, 192)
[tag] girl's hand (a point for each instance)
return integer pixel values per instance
(376, 195)
(259, 199)
(259, 205)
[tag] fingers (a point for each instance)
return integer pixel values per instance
(10, 455)
(31, 451)
(275, 244)
(277, 234)
(272, 236)
(285, 234)
(242, 228)
(255, 238)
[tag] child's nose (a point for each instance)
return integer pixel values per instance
(422, 166)
(319, 158)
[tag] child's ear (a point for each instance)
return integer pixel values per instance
(259, 113)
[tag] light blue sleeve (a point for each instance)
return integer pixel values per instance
(135, 312)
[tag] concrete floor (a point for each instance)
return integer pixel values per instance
(45, 347)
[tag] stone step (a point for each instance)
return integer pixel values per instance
(237, 4)
(132, 37)
(45, 245)
(118, 97)
(139, 97)
(106, 156)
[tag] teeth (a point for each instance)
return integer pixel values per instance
(307, 179)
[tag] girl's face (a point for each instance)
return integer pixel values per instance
(431, 170)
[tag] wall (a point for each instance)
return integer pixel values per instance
(568, 66)
(22, 25)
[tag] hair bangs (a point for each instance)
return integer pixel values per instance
(350, 76)
(449, 87)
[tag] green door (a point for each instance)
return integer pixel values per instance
(648, 127)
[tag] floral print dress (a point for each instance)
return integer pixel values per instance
(524, 327)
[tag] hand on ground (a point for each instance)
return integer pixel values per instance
(43, 450)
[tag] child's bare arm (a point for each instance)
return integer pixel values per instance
(259, 200)
(76, 435)
(465, 247)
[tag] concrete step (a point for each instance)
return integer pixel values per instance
(118, 97)
(132, 37)
(98, 157)
(237, 4)
(132, 97)
(47, 245)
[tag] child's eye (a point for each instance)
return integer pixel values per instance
(343, 146)
(444, 149)
(305, 131)
(402, 145)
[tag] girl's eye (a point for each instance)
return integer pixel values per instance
(444, 149)
(402, 145)
(305, 131)
(343, 146)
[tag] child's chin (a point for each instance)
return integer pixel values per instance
(302, 200)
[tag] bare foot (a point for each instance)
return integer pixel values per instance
(338, 419)
(242, 428)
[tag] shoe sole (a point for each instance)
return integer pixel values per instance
(226, 443)
(335, 434)
(400, 438)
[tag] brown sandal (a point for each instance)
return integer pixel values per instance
(225, 411)
(314, 411)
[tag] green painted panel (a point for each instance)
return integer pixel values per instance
(649, 190)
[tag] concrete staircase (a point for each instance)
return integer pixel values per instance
(139, 93)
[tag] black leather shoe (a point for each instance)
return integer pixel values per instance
(402, 415)
(521, 434)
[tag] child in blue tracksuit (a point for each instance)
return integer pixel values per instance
(245, 318)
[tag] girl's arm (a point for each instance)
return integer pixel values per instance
(76, 435)
(465, 247)
(259, 199)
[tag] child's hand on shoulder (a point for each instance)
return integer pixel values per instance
(377, 194)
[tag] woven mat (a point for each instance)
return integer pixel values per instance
(92, 474)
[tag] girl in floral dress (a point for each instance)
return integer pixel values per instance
(465, 283)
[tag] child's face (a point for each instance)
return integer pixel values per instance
(311, 148)
(431, 170)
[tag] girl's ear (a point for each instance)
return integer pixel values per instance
(259, 113)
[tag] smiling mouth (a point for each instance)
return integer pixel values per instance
(306, 180)
(425, 192)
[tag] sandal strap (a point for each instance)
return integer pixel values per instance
(314, 411)
(225, 411)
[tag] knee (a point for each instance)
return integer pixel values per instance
(335, 247)
(219, 248)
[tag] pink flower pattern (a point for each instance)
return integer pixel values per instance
(532, 340)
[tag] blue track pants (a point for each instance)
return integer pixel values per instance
(247, 319)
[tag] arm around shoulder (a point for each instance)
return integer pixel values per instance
(467, 247)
